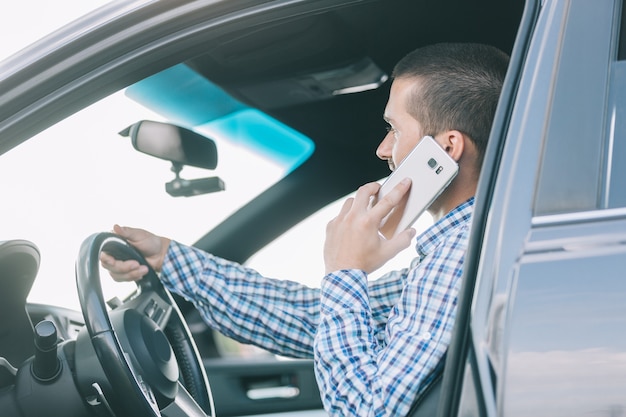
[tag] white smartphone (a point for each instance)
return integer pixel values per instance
(431, 170)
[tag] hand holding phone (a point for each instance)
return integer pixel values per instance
(431, 170)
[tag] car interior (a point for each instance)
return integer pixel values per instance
(324, 73)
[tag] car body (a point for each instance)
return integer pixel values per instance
(540, 320)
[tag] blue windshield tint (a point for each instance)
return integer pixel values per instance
(188, 99)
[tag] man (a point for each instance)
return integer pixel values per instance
(373, 343)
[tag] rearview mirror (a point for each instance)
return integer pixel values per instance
(173, 143)
(181, 147)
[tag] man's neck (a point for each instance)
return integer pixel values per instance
(450, 199)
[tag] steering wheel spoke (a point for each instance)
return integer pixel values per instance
(183, 405)
(148, 394)
(150, 303)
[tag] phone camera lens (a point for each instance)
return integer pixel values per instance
(432, 162)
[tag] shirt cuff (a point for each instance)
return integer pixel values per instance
(344, 290)
(180, 264)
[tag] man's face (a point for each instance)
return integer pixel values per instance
(404, 131)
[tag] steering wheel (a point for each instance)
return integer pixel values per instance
(139, 358)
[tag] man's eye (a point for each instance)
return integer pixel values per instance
(389, 129)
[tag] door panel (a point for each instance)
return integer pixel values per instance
(244, 387)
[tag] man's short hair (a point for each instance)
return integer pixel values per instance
(460, 85)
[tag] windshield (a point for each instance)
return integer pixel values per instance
(81, 176)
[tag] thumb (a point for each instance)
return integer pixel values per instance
(127, 232)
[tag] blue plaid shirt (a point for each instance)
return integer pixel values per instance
(374, 342)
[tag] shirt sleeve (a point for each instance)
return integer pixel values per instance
(359, 376)
(280, 316)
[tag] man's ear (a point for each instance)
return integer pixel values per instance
(453, 142)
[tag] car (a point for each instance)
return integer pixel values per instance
(285, 98)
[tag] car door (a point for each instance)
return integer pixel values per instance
(541, 332)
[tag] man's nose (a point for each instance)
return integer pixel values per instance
(384, 148)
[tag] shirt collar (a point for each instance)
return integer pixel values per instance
(438, 232)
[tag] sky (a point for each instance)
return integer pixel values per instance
(24, 22)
